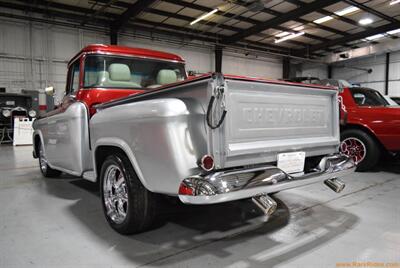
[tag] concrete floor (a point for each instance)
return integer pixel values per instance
(59, 222)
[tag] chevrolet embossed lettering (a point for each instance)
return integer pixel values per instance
(282, 116)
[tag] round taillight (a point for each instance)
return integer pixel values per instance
(207, 163)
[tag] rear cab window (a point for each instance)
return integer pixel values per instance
(106, 71)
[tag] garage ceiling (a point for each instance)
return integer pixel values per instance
(305, 28)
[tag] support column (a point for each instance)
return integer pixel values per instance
(286, 68)
(218, 59)
(330, 71)
(113, 35)
(387, 63)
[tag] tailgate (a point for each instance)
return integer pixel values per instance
(264, 119)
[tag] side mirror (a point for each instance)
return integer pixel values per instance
(50, 91)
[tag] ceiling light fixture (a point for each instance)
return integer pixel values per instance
(299, 28)
(394, 31)
(365, 21)
(290, 36)
(393, 2)
(342, 12)
(374, 37)
(323, 19)
(347, 10)
(204, 16)
(282, 34)
(295, 30)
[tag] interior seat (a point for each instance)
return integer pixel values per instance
(165, 76)
(118, 75)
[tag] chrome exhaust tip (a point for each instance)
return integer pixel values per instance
(265, 203)
(335, 184)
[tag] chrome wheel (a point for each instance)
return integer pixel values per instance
(354, 148)
(115, 194)
(42, 160)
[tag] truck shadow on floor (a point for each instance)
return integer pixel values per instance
(387, 164)
(219, 234)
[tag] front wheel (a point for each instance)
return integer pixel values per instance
(128, 206)
(360, 146)
(47, 171)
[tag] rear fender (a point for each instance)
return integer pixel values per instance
(121, 144)
(367, 129)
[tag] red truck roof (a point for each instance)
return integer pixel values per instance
(141, 52)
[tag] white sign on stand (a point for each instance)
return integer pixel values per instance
(22, 131)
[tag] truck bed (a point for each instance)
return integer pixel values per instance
(263, 118)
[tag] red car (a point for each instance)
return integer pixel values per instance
(370, 127)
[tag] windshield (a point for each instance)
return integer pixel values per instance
(130, 73)
(368, 97)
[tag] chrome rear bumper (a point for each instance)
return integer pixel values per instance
(238, 184)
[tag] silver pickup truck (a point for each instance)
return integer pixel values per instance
(206, 140)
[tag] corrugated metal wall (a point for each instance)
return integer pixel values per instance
(199, 60)
(252, 66)
(314, 70)
(35, 55)
(376, 79)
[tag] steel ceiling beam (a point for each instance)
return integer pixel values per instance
(101, 22)
(131, 12)
(172, 33)
(51, 4)
(239, 18)
(110, 16)
(291, 15)
(217, 40)
(333, 15)
(346, 39)
(322, 27)
(98, 11)
(373, 11)
(104, 22)
(187, 18)
(340, 18)
(328, 13)
(277, 14)
(244, 4)
(213, 24)
(70, 16)
(121, 4)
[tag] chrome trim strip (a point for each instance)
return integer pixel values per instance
(268, 179)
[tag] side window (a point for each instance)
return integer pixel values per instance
(359, 98)
(74, 80)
